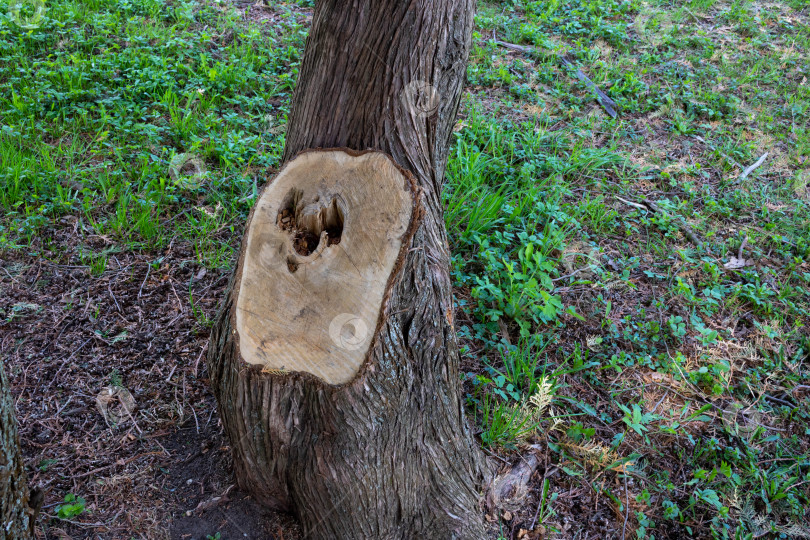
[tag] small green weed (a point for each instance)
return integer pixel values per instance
(72, 507)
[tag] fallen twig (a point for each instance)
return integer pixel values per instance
(604, 100)
(496, 456)
(649, 205)
(148, 270)
(778, 400)
(631, 203)
(77, 523)
(572, 274)
(685, 229)
(120, 462)
(109, 288)
(753, 167)
(742, 247)
(514, 47)
(197, 363)
(800, 387)
(608, 104)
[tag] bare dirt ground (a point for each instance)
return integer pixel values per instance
(163, 471)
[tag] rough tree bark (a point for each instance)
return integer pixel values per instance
(387, 454)
(14, 515)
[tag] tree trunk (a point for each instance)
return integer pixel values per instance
(14, 517)
(370, 443)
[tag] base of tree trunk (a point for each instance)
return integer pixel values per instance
(15, 520)
(359, 432)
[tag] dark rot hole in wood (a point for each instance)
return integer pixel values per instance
(333, 235)
(306, 222)
(305, 242)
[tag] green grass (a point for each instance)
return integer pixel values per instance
(101, 97)
(660, 381)
(679, 363)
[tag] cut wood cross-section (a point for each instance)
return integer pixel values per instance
(321, 246)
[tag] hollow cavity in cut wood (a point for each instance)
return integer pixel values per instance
(321, 245)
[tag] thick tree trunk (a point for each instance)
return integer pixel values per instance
(14, 515)
(383, 451)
